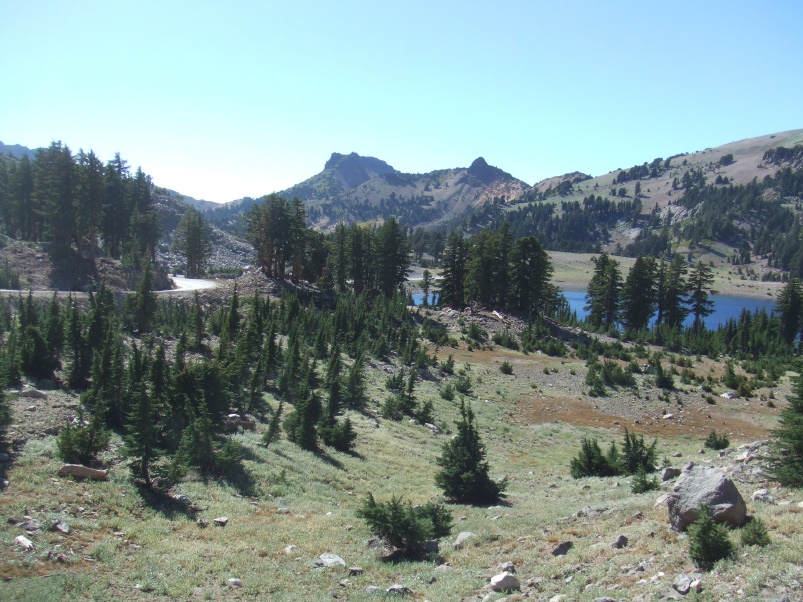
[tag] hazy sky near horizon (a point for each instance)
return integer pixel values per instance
(224, 100)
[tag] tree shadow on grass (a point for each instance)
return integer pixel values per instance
(169, 505)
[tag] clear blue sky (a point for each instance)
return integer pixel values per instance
(227, 99)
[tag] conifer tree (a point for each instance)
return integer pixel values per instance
(790, 305)
(639, 294)
(700, 281)
(142, 433)
(452, 291)
(604, 293)
(464, 471)
(191, 239)
(786, 444)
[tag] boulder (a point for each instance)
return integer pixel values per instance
(221, 521)
(505, 582)
(621, 542)
(33, 394)
(23, 542)
(705, 485)
(80, 471)
(667, 474)
(462, 538)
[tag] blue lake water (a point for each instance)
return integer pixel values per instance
(725, 307)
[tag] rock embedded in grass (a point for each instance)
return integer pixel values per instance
(505, 582)
(462, 538)
(562, 548)
(329, 560)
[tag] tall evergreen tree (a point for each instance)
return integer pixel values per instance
(790, 306)
(672, 289)
(603, 297)
(639, 294)
(191, 239)
(452, 291)
(786, 444)
(700, 281)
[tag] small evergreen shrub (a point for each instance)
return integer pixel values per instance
(506, 339)
(80, 443)
(716, 441)
(642, 483)
(506, 367)
(447, 392)
(403, 526)
(391, 408)
(463, 473)
(447, 365)
(591, 462)
(755, 533)
(708, 541)
(340, 435)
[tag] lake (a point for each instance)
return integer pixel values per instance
(725, 307)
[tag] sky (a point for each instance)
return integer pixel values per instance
(220, 100)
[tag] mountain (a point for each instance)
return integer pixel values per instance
(353, 188)
(16, 150)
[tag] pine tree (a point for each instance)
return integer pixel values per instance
(452, 291)
(191, 239)
(464, 471)
(272, 434)
(142, 433)
(639, 294)
(708, 541)
(790, 305)
(603, 297)
(700, 280)
(786, 444)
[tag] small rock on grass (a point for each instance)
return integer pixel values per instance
(562, 548)
(329, 560)
(462, 538)
(23, 542)
(504, 582)
(221, 521)
(234, 582)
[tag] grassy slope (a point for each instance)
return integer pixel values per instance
(128, 550)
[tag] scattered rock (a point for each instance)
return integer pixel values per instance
(682, 584)
(328, 560)
(562, 548)
(60, 527)
(234, 582)
(677, 455)
(667, 474)
(202, 523)
(29, 524)
(668, 416)
(399, 589)
(762, 496)
(711, 486)
(79, 471)
(23, 542)
(462, 538)
(355, 570)
(507, 567)
(291, 549)
(435, 430)
(505, 582)
(372, 589)
(621, 542)
(221, 521)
